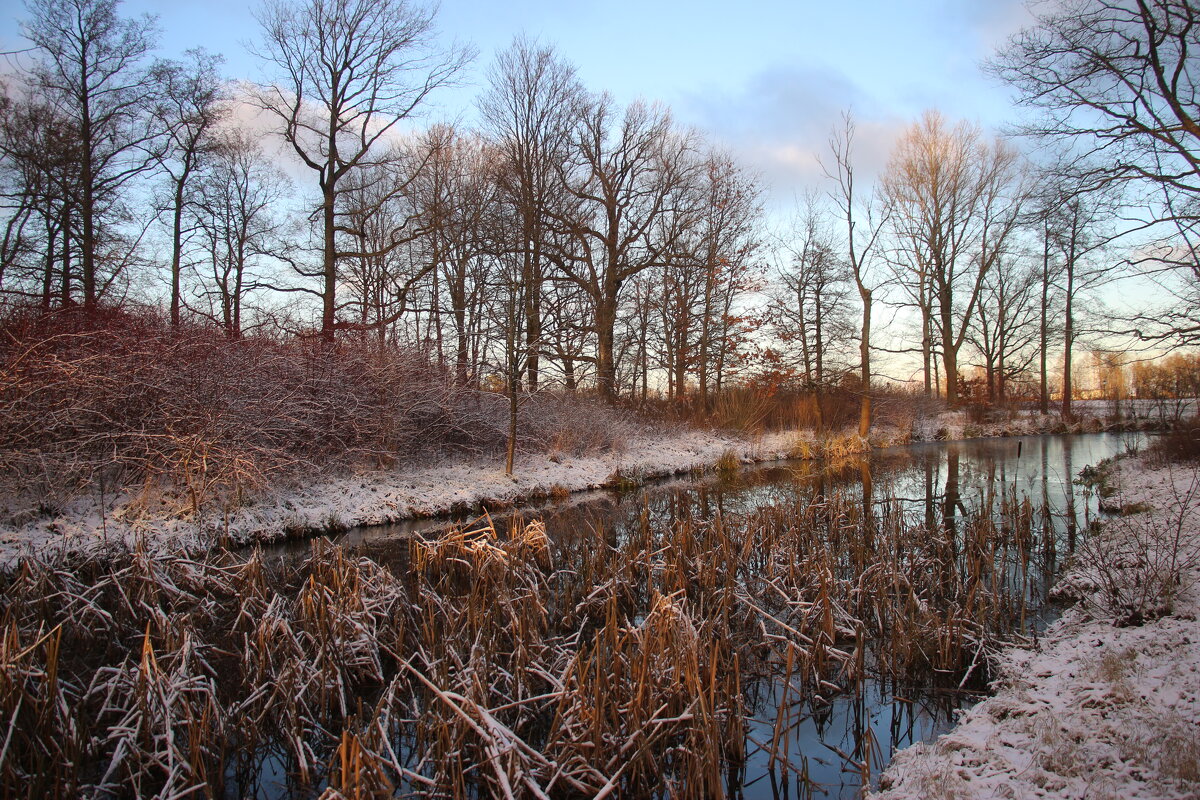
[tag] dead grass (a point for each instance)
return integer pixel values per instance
(486, 663)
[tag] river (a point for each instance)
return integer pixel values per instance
(836, 742)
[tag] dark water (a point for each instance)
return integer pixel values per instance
(835, 744)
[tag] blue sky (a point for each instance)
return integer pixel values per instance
(767, 78)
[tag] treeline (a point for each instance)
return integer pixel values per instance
(568, 240)
(568, 235)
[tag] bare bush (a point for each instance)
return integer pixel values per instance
(1181, 443)
(1139, 563)
(115, 402)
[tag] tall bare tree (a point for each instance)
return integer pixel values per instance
(865, 223)
(532, 92)
(629, 177)
(90, 68)
(1005, 323)
(349, 71)
(1076, 227)
(456, 197)
(811, 305)
(958, 198)
(190, 107)
(1115, 82)
(235, 211)
(38, 186)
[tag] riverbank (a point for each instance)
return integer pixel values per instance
(1090, 417)
(92, 524)
(1107, 704)
(378, 497)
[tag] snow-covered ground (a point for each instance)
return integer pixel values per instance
(380, 496)
(1107, 704)
(1091, 416)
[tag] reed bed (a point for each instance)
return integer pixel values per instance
(494, 663)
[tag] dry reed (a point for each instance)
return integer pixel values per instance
(486, 663)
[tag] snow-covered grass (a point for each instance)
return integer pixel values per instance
(377, 497)
(339, 499)
(1107, 704)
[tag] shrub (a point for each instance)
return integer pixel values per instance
(1139, 563)
(1181, 443)
(122, 402)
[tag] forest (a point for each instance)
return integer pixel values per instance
(565, 241)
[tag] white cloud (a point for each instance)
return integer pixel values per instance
(781, 120)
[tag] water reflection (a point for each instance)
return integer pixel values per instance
(832, 743)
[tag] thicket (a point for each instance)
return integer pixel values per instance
(1180, 443)
(114, 401)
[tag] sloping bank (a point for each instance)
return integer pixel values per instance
(382, 496)
(1107, 704)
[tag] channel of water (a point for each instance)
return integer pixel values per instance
(829, 738)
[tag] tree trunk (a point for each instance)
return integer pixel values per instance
(1068, 337)
(864, 351)
(533, 307)
(606, 318)
(1044, 335)
(949, 348)
(927, 347)
(510, 452)
(66, 257)
(51, 260)
(329, 262)
(177, 246)
(818, 342)
(88, 207)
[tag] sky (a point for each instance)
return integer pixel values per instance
(767, 79)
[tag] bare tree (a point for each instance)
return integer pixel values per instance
(38, 174)
(235, 213)
(911, 266)
(958, 198)
(90, 70)
(864, 226)
(1076, 230)
(190, 107)
(811, 304)
(391, 210)
(629, 178)
(527, 107)
(349, 72)
(1005, 323)
(1115, 83)
(456, 197)
(728, 239)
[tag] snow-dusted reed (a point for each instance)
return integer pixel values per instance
(481, 664)
(1107, 705)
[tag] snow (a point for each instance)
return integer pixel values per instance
(381, 496)
(1096, 709)
(1090, 417)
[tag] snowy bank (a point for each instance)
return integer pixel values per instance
(382, 496)
(1090, 417)
(1107, 704)
(378, 497)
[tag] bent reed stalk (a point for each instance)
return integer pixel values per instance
(484, 663)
